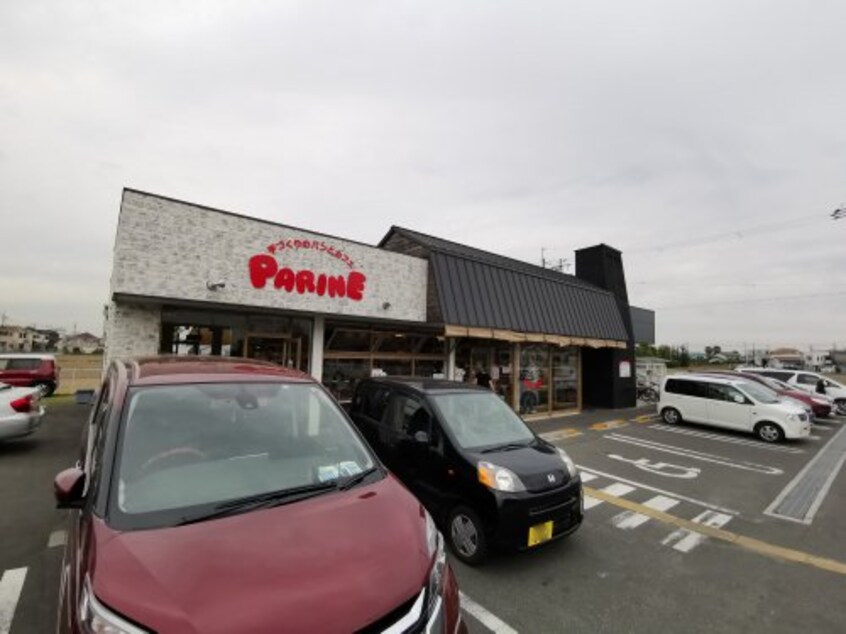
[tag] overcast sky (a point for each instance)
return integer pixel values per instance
(706, 140)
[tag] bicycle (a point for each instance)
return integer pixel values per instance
(647, 394)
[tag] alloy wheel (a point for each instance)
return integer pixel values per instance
(465, 537)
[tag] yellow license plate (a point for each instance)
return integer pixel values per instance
(540, 533)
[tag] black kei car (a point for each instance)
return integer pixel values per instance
(486, 478)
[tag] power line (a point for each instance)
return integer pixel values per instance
(736, 233)
(753, 300)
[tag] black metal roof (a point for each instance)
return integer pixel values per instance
(481, 289)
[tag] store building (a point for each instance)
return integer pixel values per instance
(189, 279)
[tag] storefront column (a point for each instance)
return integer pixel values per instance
(515, 377)
(452, 344)
(317, 331)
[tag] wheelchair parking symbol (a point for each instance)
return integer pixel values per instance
(661, 468)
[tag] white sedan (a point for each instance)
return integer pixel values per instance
(20, 411)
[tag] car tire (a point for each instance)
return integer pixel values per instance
(671, 416)
(840, 406)
(769, 432)
(466, 535)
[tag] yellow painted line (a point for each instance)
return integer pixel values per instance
(611, 424)
(645, 418)
(749, 543)
(561, 434)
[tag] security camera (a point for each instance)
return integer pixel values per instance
(216, 286)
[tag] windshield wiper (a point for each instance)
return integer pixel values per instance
(358, 478)
(262, 500)
(510, 446)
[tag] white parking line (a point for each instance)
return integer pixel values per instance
(729, 439)
(695, 455)
(586, 477)
(686, 540)
(629, 519)
(486, 618)
(10, 591)
(57, 538)
(618, 489)
(648, 487)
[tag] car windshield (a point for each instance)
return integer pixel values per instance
(774, 384)
(196, 446)
(481, 419)
(760, 393)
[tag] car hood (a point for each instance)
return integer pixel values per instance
(538, 466)
(332, 563)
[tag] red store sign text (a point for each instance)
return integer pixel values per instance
(264, 268)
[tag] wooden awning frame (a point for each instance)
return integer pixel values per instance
(529, 337)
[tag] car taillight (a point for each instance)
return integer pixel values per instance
(24, 404)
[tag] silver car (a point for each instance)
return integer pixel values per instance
(20, 411)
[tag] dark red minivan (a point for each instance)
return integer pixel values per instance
(229, 495)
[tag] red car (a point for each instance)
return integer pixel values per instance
(30, 370)
(820, 408)
(229, 495)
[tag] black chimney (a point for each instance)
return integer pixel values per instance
(603, 369)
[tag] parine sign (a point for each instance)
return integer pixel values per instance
(264, 268)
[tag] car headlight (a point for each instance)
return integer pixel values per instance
(499, 478)
(793, 417)
(568, 462)
(435, 544)
(98, 619)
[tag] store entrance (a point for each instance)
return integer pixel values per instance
(284, 351)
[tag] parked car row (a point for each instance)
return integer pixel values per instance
(808, 382)
(224, 495)
(743, 402)
(817, 405)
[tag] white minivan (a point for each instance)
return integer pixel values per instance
(733, 404)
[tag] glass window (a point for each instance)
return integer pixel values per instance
(372, 402)
(341, 376)
(346, 340)
(806, 379)
(392, 342)
(480, 419)
(534, 379)
(406, 415)
(23, 364)
(392, 367)
(187, 448)
(428, 368)
(760, 393)
(724, 393)
(565, 378)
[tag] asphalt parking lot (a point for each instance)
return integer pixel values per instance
(686, 529)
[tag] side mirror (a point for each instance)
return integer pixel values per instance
(422, 437)
(739, 399)
(68, 487)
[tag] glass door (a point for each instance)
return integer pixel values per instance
(534, 379)
(565, 378)
(284, 351)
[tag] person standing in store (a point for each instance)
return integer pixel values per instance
(483, 378)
